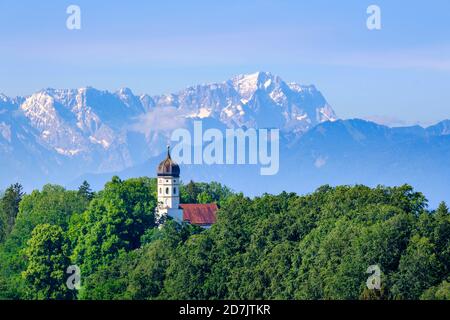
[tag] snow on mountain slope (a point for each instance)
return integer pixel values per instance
(259, 100)
(57, 136)
(90, 130)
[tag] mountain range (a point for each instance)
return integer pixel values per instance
(67, 135)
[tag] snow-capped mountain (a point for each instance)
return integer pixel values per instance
(259, 100)
(62, 134)
(65, 136)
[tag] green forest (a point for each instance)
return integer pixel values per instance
(286, 246)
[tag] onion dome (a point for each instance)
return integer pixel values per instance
(167, 167)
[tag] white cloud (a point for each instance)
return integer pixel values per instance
(320, 162)
(159, 119)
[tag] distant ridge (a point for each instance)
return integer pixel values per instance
(67, 135)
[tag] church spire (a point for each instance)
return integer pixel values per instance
(168, 151)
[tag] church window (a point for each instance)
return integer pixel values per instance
(174, 190)
(167, 190)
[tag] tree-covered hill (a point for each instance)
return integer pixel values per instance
(286, 246)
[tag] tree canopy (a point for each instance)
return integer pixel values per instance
(286, 246)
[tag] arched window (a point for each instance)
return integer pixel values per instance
(160, 190)
(167, 190)
(174, 191)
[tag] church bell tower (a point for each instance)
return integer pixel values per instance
(168, 175)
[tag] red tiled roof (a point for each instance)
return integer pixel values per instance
(199, 214)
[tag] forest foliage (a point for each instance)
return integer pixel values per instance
(286, 246)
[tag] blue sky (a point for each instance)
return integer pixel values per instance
(399, 73)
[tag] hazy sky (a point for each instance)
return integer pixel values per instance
(399, 72)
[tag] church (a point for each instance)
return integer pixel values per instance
(168, 175)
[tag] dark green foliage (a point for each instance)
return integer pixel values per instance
(115, 220)
(204, 197)
(2, 225)
(313, 247)
(200, 192)
(418, 270)
(47, 255)
(52, 205)
(9, 208)
(85, 191)
(317, 246)
(189, 192)
(110, 282)
(440, 292)
(138, 274)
